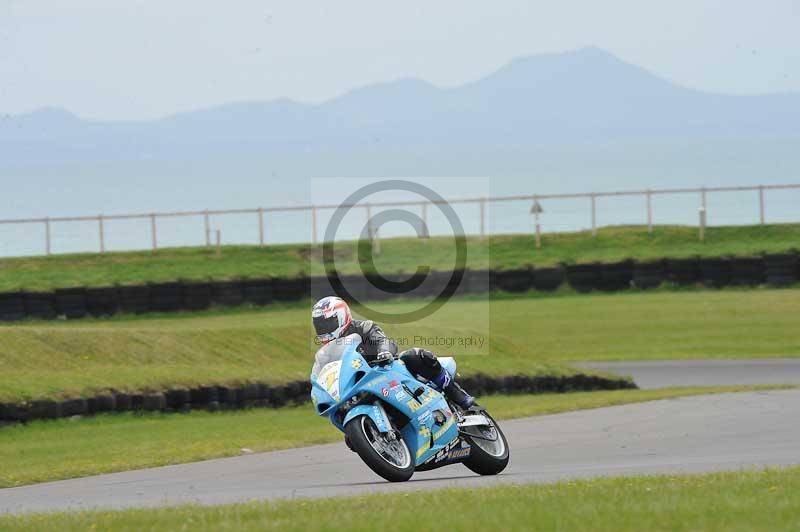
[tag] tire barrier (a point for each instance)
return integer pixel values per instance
(71, 302)
(747, 271)
(356, 285)
(715, 272)
(228, 293)
(683, 272)
(583, 278)
(548, 279)
(220, 398)
(102, 301)
(12, 306)
(290, 289)
(648, 274)
(134, 299)
(40, 305)
(197, 296)
(514, 281)
(780, 269)
(165, 297)
(774, 270)
(376, 286)
(257, 291)
(615, 276)
(475, 282)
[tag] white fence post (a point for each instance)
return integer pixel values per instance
(47, 236)
(375, 240)
(649, 211)
(594, 215)
(702, 229)
(314, 225)
(425, 220)
(261, 226)
(101, 233)
(207, 226)
(483, 218)
(761, 203)
(153, 234)
(369, 223)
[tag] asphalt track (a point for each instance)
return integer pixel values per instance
(667, 373)
(686, 435)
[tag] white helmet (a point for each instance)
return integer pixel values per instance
(331, 317)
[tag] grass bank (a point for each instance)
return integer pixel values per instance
(397, 255)
(59, 449)
(534, 335)
(761, 500)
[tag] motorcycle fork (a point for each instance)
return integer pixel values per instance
(392, 433)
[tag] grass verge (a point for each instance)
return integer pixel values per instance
(760, 500)
(397, 255)
(59, 449)
(535, 335)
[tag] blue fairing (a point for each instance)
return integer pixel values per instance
(431, 425)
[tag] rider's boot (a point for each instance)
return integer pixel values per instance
(459, 396)
(453, 391)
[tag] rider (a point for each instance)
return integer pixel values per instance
(332, 320)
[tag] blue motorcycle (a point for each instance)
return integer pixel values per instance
(397, 424)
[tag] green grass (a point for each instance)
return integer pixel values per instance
(534, 335)
(741, 501)
(59, 449)
(400, 255)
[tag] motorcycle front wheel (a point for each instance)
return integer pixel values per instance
(386, 454)
(489, 455)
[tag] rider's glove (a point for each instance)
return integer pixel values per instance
(383, 358)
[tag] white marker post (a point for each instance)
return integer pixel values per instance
(702, 212)
(536, 210)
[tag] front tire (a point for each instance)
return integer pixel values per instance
(488, 456)
(389, 458)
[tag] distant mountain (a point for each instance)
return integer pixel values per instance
(584, 96)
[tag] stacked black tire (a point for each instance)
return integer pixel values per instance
(548, 279)
(165, 297)
(102, 301)
(584, 277)
(615, 276)
(71, 302)
(683, 272)
(258, 395)
(774, 270)
(134, 299)
(40, 305)
(747, 271)
(714, 272)
(12, 306)
(649, 274)
(197, 296)
(514, 281)
(781, 269)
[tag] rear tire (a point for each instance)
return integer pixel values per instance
(483, 462)
(359, 432)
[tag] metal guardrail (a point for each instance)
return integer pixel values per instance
(313, 209)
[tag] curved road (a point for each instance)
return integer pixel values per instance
(692, 434)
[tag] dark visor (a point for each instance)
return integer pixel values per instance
(325, 325)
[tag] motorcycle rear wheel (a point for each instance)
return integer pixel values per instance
(391, 459)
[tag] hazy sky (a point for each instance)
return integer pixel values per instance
(143, 59)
